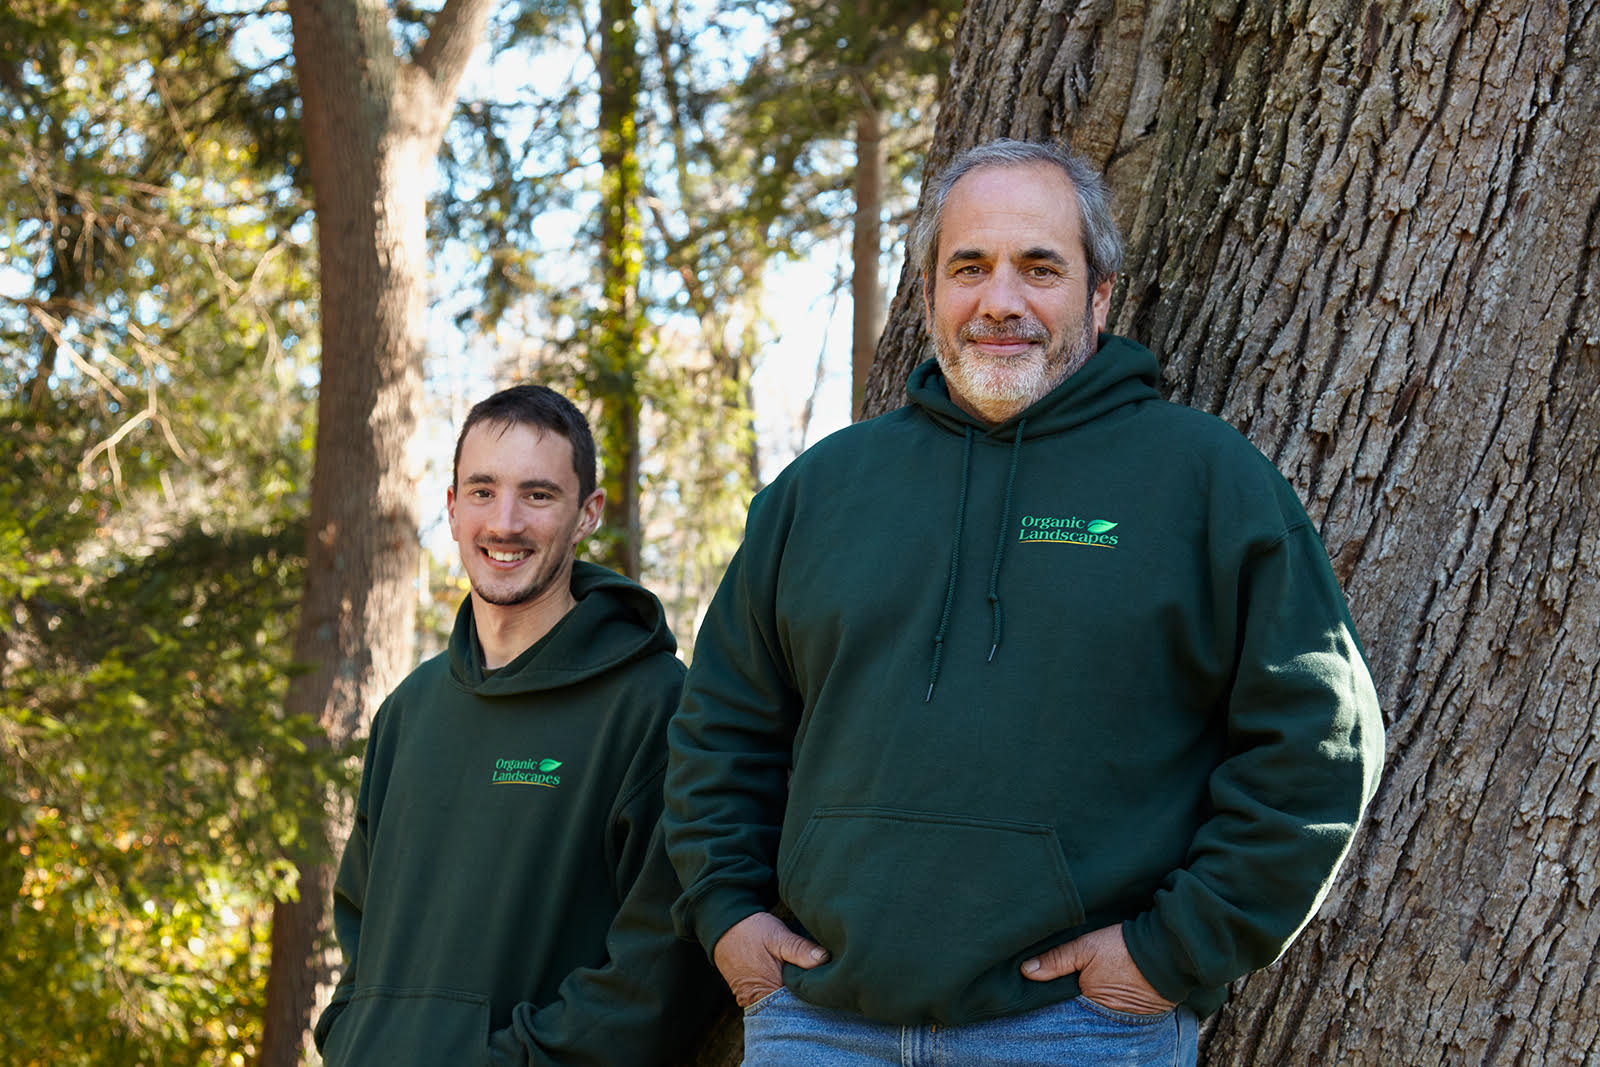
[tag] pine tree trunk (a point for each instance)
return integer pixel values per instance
(372, 124)
(1366, 234)
(866, 286)
(616, 358)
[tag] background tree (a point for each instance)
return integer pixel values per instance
(848, 72)
(616, 355)
(374, 113)
(1366, 234)
(632, 228)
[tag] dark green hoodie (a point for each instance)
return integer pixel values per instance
(503, 897)
(1086, 667)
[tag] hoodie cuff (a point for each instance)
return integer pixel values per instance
(719, 911)
(1157, 959)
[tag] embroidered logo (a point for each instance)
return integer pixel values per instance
(526, 772)
(1068, 530)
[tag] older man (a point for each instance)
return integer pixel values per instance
(1036, 700)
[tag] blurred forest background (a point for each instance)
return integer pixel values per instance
(161, 342)
(256, 258)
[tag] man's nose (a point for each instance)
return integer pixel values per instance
(505, 515)
(1002, 296)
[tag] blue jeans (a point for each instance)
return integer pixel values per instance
(781, 1030)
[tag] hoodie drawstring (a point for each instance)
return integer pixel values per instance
(1000, 539)
(955, 552)
(955, 565)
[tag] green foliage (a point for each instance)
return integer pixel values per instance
(149, 805)
(141, 213)
(798, 101)
(155, 417)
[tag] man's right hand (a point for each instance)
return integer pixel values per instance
(752, 953)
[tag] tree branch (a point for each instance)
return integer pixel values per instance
(456, 31)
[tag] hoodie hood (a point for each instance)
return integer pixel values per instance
(615, 621)
(1120, 372)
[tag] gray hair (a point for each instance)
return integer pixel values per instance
(1102, 244)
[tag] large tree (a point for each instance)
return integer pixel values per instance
(1366, 234)
(374, 113)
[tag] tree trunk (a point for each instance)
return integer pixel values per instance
(866, 285)
(372, 125)
(616, 358)
(1365, 234)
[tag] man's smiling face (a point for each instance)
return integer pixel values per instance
(515, 512)
(1009, 302)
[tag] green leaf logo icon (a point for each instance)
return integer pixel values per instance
(1099, 526)
(548, 765)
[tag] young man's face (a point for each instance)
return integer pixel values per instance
(515, 512)
(1011, 311)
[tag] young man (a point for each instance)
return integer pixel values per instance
(1036, 701)
(504, 895)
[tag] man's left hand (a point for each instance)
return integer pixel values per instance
(1106, 973)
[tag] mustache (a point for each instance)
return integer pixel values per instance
(1032, 332)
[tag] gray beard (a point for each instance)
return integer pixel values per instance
(997, 394)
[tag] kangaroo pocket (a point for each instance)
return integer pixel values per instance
(384, 1024)
(926, 915)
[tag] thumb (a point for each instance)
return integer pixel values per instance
(1055, 962)
(792, 948)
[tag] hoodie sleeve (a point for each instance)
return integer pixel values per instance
(1304, 748)
(655, 992)
(349, 897)
(730, 742)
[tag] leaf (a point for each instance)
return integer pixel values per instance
(548, 765)
(1100, 526)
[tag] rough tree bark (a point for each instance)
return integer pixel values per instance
(373, 123)
(1366, 234)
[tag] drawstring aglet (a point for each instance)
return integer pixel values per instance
(991, 651)
(929, 698)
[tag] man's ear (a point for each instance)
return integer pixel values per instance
(591, 512)
(927, 300)
(1102, 302)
